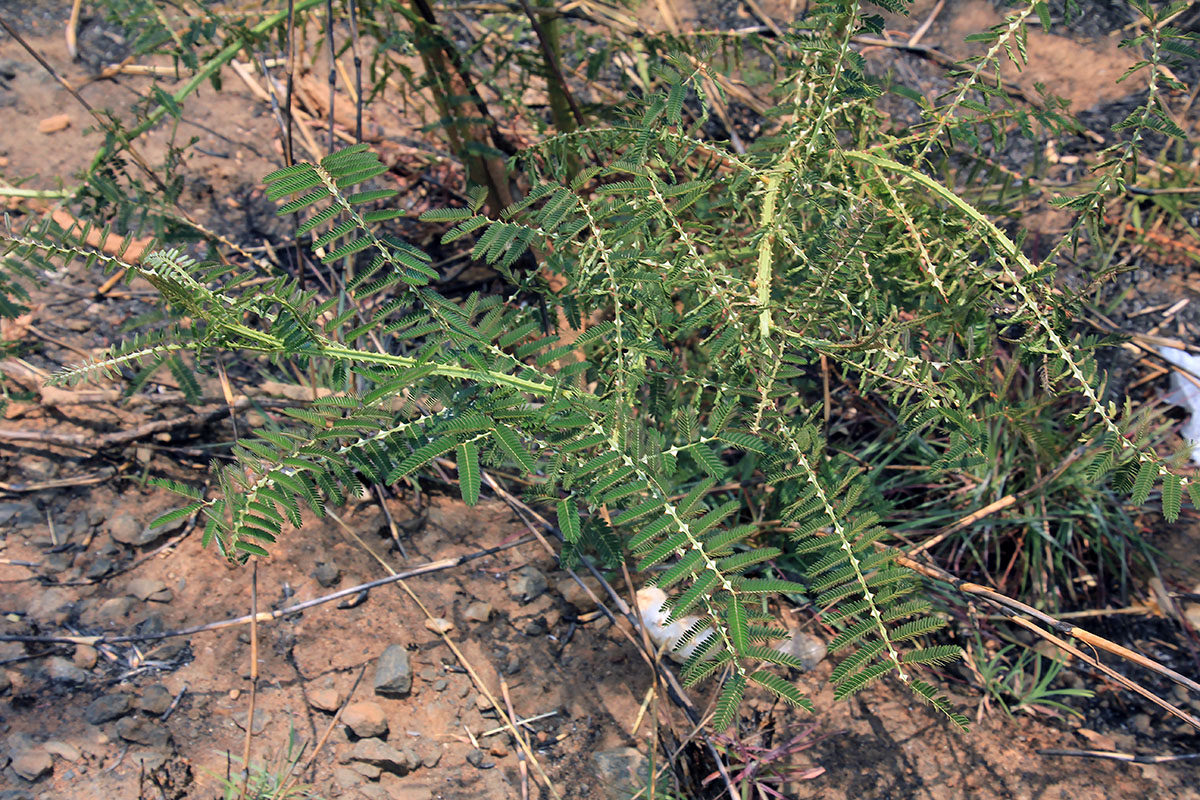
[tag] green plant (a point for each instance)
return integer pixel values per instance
(269, 780)
(698, 293)
(1014, 686)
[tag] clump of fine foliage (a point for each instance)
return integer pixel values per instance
(702, 293)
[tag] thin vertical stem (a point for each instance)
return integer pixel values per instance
(559, 91)
(253, 675)
(358, 95)
(332, 66)
(288, 153)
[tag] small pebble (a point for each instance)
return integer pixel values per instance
(325, 699)
(367, 720)
(107, 708)
(84, 656)
(155, 700)
(35, 762)
(526, 583)
(262, 718)
(478, 612)
(327, 574)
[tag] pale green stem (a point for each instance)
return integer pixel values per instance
(763, 277)
(945, 193)
(50, 194)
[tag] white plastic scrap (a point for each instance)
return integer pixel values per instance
(805, 647)
(666, 635)
(1186, 394)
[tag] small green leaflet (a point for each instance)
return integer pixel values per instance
(467, 457)
(728, 702)
(781, 689)
(509, 442)
(739, 630)
(707, 460)
(568, 520)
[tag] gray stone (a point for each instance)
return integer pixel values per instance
(19, 515)
(107, 707)
(169, 650)
(150, 534)
(622, 772)
(380, 754)
(80, 526)
(475, 757)
(325, 699)
(15, 794)
(575, 595)
(125, 529)
(149, 760)
(140, 730)
(368, 770)
(51, 606)
(262, 718)
(367, 720)
(32, 763)
(409, 792)
(144, 588)
(440, 685)
(40, 468)
(55, 563)
(327, 574)
(526, 583)
(478, 612)
(155, 700)
(115, 608)
(60, 669)
(97, 568)
(152, 624)
(345, 777)
(64, 750)
(393, 672)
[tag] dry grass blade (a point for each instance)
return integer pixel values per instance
(1012, 608)
(1111, 755)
